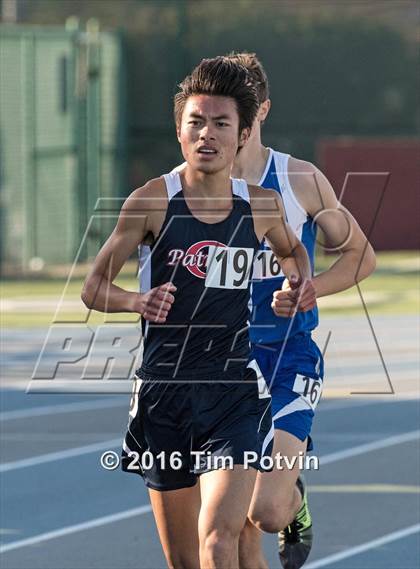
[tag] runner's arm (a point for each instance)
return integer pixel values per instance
(289, 251)
(99, 293)
(341, 230)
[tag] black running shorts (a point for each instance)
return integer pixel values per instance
(179, 430)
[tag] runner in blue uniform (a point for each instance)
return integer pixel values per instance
(197, 397)
(281, 329)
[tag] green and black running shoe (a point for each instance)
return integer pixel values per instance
(295, 541)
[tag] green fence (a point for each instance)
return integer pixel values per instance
(62, 136)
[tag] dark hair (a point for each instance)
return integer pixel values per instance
(223, 77)
(256, 70)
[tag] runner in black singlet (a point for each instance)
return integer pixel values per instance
(197, 410)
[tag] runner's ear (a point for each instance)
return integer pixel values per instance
(243, 137)
(264, 110)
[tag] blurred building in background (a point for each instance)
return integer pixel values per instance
(62, 140)
(336, 70)
(378, 180)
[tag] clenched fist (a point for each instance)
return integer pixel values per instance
(155, 304)
(295, 296)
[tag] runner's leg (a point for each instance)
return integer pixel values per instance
(176, 513)
(276, 499)
(226, 496)
(250, 548)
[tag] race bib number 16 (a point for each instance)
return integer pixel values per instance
(228, 267)
(308, 388)
(266, 266)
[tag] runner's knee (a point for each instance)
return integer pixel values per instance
(218, 544)
(271, 518)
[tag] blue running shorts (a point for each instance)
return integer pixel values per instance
(294, 372)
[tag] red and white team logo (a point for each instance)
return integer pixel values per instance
(194, 259)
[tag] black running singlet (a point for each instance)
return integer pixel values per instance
(206, 331)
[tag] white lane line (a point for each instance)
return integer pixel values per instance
(75, 528)
(364, 547)
(369, 447)
(364, 489)
(59, 455)
(80, 386)
(359, 403)
(78, 451)
(45, 410)
(335, 457)
(63, 408)
(111, 403)
(107, 404)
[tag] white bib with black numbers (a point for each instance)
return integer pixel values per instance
(228, 267)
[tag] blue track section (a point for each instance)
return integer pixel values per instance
(354, 500)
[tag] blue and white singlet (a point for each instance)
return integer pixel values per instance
(266, 327)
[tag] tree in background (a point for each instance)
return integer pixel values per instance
(345, 69)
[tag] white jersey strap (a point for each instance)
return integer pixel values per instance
(240, 188)
(267, 167)
(173, 184)
(281, 162)
(179, 168)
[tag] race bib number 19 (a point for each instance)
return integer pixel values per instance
(228, 267)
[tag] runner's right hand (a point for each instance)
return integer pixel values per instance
(155, 304)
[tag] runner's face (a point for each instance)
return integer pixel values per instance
(208, 133)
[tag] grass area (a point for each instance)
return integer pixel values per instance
(382, 294)
(392, 289)
(52, 288)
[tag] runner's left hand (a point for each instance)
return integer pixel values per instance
(294, 297)
(304, 296)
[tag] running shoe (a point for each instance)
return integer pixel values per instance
(295, 541)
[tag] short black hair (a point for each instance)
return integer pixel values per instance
(223, 77)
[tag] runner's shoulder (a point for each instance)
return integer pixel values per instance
(150, 197)
(303, 175)
(264, 200)
(310, 186)
(297, 165)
